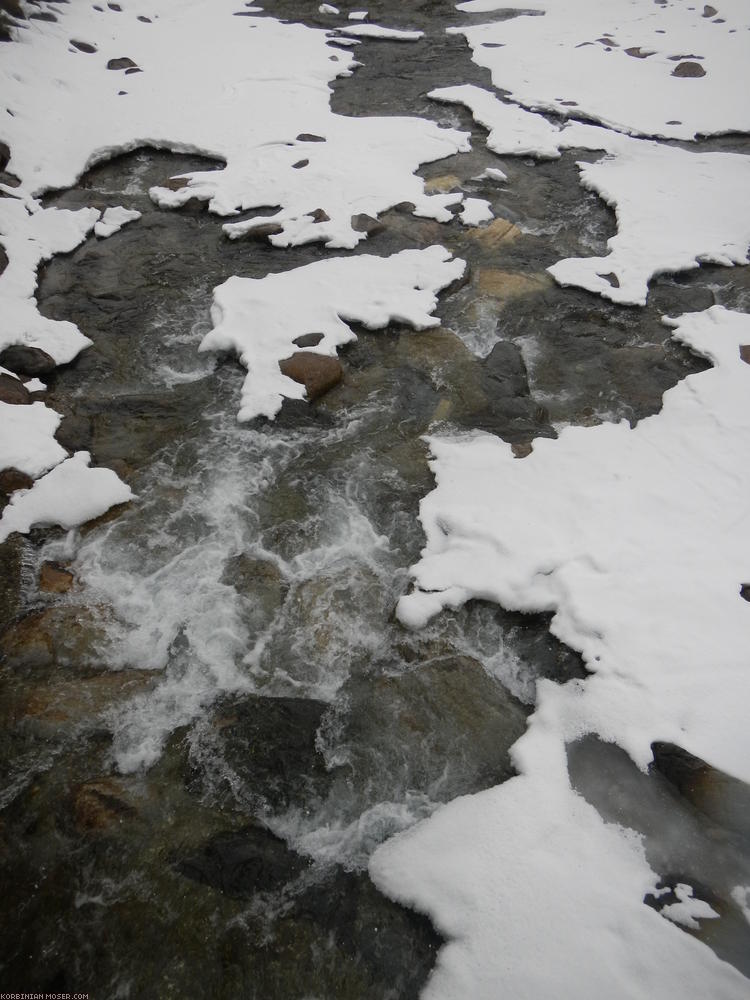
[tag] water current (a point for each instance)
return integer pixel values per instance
(206, 737)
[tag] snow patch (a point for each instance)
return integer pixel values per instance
(661, 69)
(476, 211)
(633, 538)
(261, 318)
(113, 219)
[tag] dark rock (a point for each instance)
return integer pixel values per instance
(506, 370)
(309, 137)
(43, 15)
(133, 69)
(99, 805)
(366, 224)
(270, 745)
(299, 164)
(146, 20)
(27, 360)
(745, 353)
(13, 479)
(688, 69)
(745, 591)
(55, 579)
(13, 391)
(319, 215)
(243, 863)
(4, 155)
(122, 63)
(709, 11)
(726, 800)
(3, 260)
(82, 46)
(75, 433)
(263, 231)
(638, 53)
(317, 372)
(10, 180)
(308, 340)
(114, 6)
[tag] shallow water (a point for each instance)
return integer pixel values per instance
(212, 731)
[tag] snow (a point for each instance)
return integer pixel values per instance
(376, 31)
(71, 494)
(475, 211)
(688, 911)
(327, 8)
(35, 385)
(675, 208)
(261, 318)
(632, 538)
(513, 130)
(31, 234)
(27, 440)
(493, 173)
(616, 64)
(206, 101)
(113, 219)
(358, 15)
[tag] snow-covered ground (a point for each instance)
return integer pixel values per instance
(632, 537)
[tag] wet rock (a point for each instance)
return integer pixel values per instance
(10, 578)
(258, 580)
(55, 579)
(68, 636)
(498, 233)
(506, 285)
(688, 69)
(4, 147)
(243, 863)
(12, 390)
(13, 479)
(14, 9)
(100, 805)
(79, 702)
(443, 728)
(27, 360)
(270, 746)
(75, 432)
(317, 372)
(3, 254)
(726, 800)
(506, 370)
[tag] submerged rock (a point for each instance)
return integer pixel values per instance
(55, 579)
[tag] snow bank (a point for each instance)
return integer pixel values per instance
(253, 98)
(376, 31)
(675, 208)
(27, 438)
(71, 494)
(633, 538)
(657, 69)
(31, 234)
(261, 318)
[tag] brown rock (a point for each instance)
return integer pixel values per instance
(83, 700)
(100, 805)
(264, 230)
(506, 285)
(13, 391)
(55, 579)
(745, 353)
(366, 224)
(175, 183)
(13, 479)
(320, 215)
(637, 52)
(122, 63)
(688, 69)
(31, 361)
(499, 231)
(447, 182)
(317, 372)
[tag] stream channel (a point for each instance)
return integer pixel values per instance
(207, 735)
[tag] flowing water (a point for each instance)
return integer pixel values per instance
(207, 736)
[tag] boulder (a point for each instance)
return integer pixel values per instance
(27, 360)
(317, 372)
(100, 805)
(12, 390)
(55, 579)
(13, 479)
